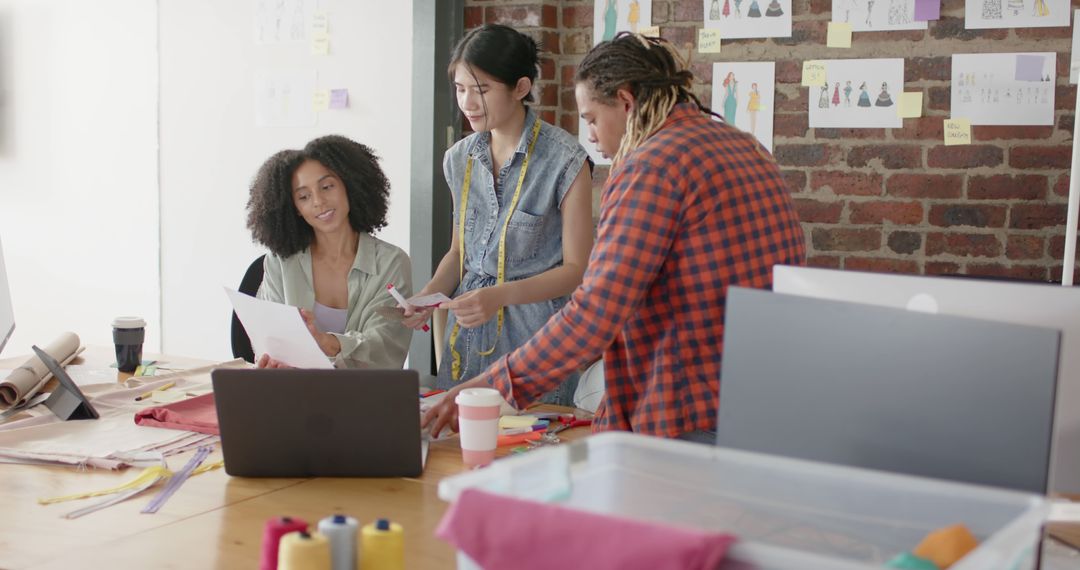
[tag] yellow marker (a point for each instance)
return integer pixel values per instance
(839, 35)
(164, 386)
(708, 40)
(321, 100)
(813, 73)
(910, 105)
(651, 31)
(957, 132)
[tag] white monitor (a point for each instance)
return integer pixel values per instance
(1035, 304)
(7, 313)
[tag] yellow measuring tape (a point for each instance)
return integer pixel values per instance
(148, 474)
(455, 364)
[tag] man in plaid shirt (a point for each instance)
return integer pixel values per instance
(691, 206)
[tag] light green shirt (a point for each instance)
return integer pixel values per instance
(370, 340)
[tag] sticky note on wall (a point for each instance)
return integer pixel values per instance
(839, 35)
(320, 43)
(910, 105)
(321, 100)
(813, 73)
(651, 31)
(339, 98)
(957, 132)
(708, 40)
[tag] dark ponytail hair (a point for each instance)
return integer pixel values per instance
(499, 51)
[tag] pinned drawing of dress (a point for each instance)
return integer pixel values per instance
(900, 12)
(611, 18)
(1016, 6)
(864, 97)
(774, 10)
(823, 101)
(738, 8)
(883, 99)
(634, 16)
(847, 94)
(836, 95)
(727, 8)
(714, 10)
(991, 9)
(753, 107)
(1041, 10)
(731, 102)
(754, 11)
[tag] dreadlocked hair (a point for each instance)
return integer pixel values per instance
(654, 73)
(272, 216)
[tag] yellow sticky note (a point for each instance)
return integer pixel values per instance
(839, 35)
(320, 43)
(813, 73)
(651, 31)
(320, 23)
(321, 100)
(708, 40)
(957, 131)
(910, 105)
(507, 422)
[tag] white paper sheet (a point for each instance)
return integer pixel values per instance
(1074, 71)
(860, 94)
(749, 18)
(981, 14)
(1004, 88)
(877, 15)
(278, 21)
(744, 93)
(277, 330)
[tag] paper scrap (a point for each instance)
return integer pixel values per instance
(1029, 67)
(320, 23)
(320, 43)
(339, 98)
(813, 73)
(839, 35)
(926, 10)
(321, 100)
(708, 40)
(957, 132)
(508, 422)
(651, 31)
(910, 104)
(433, 300)
(277, 330)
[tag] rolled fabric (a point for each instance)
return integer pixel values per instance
(26, 380)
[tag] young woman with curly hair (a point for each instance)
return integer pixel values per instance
(315, 210)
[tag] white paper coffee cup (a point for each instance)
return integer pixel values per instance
(478, 424)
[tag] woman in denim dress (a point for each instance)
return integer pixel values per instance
(537, 226)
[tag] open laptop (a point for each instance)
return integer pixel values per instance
(882, 388)
(319, 423)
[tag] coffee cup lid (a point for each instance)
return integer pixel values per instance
(128, 323)
(479, 397)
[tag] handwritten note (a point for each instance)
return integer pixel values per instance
(839, 35)
(321, 100)
(320, 23)
(708, 40)
(813, 73)
(320, 44)
(651, 31)
(910, 105)
(339, 98)
(957, 132)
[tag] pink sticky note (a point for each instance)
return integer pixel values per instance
(926, 10)
(339, 98)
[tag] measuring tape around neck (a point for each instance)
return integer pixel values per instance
(455, 365)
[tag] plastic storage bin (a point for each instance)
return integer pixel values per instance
(787, 513)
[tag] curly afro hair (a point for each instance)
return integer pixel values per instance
(272, 216)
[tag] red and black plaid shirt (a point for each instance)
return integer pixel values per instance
(698, 207)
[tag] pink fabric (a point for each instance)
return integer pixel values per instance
(503, 532)
(197, 414)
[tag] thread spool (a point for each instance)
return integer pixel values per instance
(382, 546)
(341, 531)
(304, 551)
(273, 531)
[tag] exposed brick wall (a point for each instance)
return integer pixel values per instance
(869, 199)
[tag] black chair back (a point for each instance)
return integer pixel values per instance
(241, 344)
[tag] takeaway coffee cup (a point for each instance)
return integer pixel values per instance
(478, 423)
(128, 335)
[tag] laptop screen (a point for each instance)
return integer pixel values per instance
(932, 395)
(7, 313)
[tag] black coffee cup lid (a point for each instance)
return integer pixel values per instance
(128, 323)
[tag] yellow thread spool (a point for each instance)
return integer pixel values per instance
(302, 551)
(382, 546)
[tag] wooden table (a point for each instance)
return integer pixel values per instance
(213, 521)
